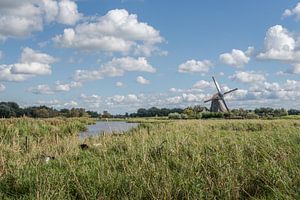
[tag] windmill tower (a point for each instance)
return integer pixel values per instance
(218, 103)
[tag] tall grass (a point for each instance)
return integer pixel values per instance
(195, 159)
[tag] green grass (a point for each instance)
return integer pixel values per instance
(184, 159)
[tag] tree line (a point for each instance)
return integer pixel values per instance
(12, 109)
(197, 112)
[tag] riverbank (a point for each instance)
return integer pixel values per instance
(183, 159)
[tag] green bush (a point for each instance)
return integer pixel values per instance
(207, 115)
(174, 116)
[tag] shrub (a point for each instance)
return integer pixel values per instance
(207, 115)
(174, 116)
(184, 116)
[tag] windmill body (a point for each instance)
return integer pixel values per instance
(218, 103)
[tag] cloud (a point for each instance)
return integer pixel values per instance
(175, 90)
(71, 104)
(57, 103)
(117, 31)
(248, 77)
(93, 101)
(19, 19)
(29, 55)
(289, 90)
(2, 87)
(64, 11)
(6, 74)
(236, 58)
(115, 67)
(68, 13)
(142, 80)
(64, 87)
(202, 84)
(295, 11)
(296, 68)
(41, 89)
(192, 66)
(282, 45)
(32, 63)
(58, 87)
(31, 68)
(123, 99)
(119, 84)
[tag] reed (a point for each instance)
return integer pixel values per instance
(184, 159)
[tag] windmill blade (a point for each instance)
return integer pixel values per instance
(230, 91)
(217, 85)
(208, 100)
(225, 105)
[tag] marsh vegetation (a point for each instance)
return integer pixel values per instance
(181, 159)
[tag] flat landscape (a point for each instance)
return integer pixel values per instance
(161, 159)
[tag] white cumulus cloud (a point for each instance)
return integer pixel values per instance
(117, 31)
(19, 19)
(115, 67)
(142, 80)
(93, 101)
(119, 84)
(248, 77)
(192, 66)
(32, 63)
(2, 87)
(58, 87)
(202, 84)
(295, 11)
(236, 58)
(282, 45)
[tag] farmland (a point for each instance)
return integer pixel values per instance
(180, 159)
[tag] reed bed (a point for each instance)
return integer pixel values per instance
(186, 159)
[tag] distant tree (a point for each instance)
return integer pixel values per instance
(184, 116)
(198, 108)
(92, 114)
(5, 111)
(207, 115)
(142, 112)
(280, 112)
(174, 116)
(294, 112)
(189, 111)
(41, 113)
(106, 114)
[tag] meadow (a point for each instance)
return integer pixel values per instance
(181, 159)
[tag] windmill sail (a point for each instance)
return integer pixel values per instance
(218, 103)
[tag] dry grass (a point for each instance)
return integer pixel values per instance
(193, 159)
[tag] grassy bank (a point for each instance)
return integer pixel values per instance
(194, 159)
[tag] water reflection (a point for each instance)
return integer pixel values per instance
(107, 127)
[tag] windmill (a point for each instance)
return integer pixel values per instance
(218, 103)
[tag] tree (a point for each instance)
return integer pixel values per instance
(294, 112)
(106, 114)
(5, 111)
(189, 112)
(174, 116)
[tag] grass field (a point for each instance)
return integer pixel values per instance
(185, 159)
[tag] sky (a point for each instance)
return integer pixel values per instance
(121, 55)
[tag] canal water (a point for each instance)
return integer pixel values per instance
(107, 127)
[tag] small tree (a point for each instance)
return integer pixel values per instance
(174, 116)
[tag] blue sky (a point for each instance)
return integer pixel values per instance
(119, 55)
